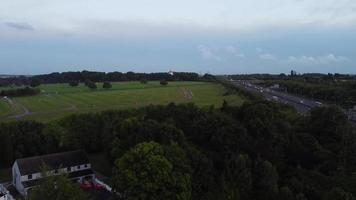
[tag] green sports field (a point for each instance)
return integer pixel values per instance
(57, 100)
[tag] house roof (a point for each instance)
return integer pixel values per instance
(53, 161)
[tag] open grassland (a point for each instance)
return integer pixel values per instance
(5, 107)
(57, 100)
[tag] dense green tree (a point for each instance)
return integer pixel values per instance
(58, 187)
(6, 149)
(238, 177)
(35, 83)
(26, 91)
(186, 152)
(92, 85)
(338, 193)
(163, 82)
(107, 85)
(286, 193)
(74, 83)
(265, 180)
(145, 173)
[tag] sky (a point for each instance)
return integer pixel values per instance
(204, 36)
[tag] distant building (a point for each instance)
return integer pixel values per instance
(27, 172)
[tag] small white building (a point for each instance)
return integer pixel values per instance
(27, 172)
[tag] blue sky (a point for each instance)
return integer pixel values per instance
(215, 36)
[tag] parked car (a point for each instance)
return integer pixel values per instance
(86, 185)
(98, 186)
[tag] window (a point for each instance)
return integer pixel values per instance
(85, 166)
(29, 176)
(68, 169)
(78, 167)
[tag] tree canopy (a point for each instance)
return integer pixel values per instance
(259, 150)
(144, 172)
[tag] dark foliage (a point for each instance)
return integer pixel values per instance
(107, 85)
(163, 82)
(27, 91)
(84, 76)
(92, 85)
(74, 83)
(260, 150)
(35, 82)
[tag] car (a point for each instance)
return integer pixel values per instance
(86, 185)
(99, 187)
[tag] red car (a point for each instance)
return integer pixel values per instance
(86, 185)
(99, 187)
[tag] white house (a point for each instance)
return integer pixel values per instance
(27, 172)
(5, 194)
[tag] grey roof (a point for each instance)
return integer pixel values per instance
(53, 161)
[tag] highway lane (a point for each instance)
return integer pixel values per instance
(302, 105)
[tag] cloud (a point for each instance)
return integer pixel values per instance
(234, 51)
(306, 60)
(225, 15)
(268, 56)
(208, 54)
(317, 60)
(259, 50)
(20, 26)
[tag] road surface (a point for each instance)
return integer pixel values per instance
(301, 104)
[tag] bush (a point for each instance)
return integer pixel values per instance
(163, 82)
(27, 91)
(91, 85)
(35, 83)
(107, 85)
(74, 83)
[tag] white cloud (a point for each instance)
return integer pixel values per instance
(234, 51)
(208, 54)
(268, 56)
(259, 50)
(317, 60)
(236, 15)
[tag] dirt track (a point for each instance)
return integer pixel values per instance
(187, 93)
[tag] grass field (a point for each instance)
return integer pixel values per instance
(5, 108)
(57, 100)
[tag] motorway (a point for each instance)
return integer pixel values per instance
(301, 104)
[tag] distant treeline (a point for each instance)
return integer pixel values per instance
(66, 77)
(307, 76)
(26, 91)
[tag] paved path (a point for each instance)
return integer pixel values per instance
(25, 110)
